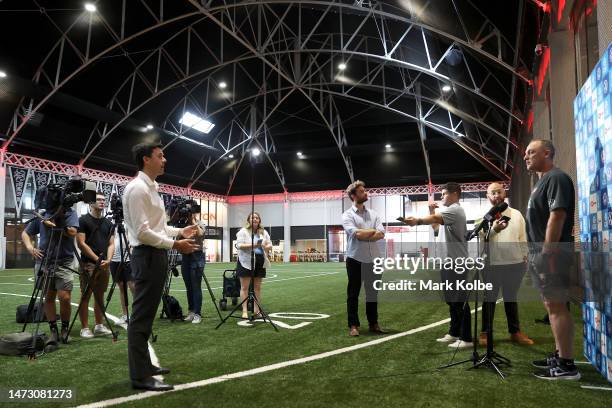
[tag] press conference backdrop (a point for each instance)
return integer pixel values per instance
(593, 126)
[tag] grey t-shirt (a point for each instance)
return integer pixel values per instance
(454, 231)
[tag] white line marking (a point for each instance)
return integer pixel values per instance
(590, 387)
(115, 319)
(259, 370)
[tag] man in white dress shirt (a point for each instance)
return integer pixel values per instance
(150, 237)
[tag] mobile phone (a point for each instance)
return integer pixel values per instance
(401, 219)
(505, 218)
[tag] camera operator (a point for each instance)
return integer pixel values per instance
(192, 269)
(124, 275)
(95, 239)
(145, 221)
(58, 262)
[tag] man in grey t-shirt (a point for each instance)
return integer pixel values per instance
(452, 218)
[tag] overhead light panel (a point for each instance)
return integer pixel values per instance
(149, 127)
(446, 88)
(90, 7)
(387, 146)
(299, 154)
(2, 74)
(255, 151)
(196, 122)
(342, 66)
(222, 85)
(231, 156)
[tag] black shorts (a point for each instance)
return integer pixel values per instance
(124, 275)
(551, 274)
(260, 271)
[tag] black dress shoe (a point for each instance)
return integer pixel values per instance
(151, 384)
(160, 370)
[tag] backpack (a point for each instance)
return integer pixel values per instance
(21, 314)
(172, 308)
(19, 344)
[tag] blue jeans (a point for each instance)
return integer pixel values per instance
(192, 268)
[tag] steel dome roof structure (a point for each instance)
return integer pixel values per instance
(394, 92)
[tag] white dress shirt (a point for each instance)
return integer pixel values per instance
(145, 216)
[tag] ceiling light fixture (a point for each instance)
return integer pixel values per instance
(342, 66)
(90, 7)
(196, 122)
(222, 85)
(2, 74)
(299, 154)
(255, 151)
(231, 156)
(149, 126)
(446, 88)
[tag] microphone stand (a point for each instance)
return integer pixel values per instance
(490, 359)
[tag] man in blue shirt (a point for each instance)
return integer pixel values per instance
(56, 257)
(363, 228)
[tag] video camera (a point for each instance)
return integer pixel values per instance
(116, 208)
(180, 209)
(54, 197)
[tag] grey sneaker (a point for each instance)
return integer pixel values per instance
(189, 317)
(197, 319)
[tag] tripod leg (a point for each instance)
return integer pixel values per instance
(264, 315)
(83, 295)
(231, 314)
(212, 295)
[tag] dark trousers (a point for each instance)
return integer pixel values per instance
(458, 307)
(509, 278)
(149, 269)
(192, 268)
(359, 273)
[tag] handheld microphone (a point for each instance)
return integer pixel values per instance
(487, 219)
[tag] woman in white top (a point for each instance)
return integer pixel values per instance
(262, 245)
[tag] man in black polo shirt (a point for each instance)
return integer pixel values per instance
(550, 220)
(97, 244)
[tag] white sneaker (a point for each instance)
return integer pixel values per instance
(101, 329)
(124, 319)
(460, 344)
(86, 333)
(197, 319)
(189, 317)
(447, 339)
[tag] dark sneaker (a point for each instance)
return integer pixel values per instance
(559, 373)
(64, 338)
(549, 362)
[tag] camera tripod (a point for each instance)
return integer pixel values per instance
(172, 270)
(123, 251)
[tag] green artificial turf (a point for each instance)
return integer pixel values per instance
(400, 372)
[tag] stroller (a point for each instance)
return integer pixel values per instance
(231, 288)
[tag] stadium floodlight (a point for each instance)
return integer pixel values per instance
(196, 122)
